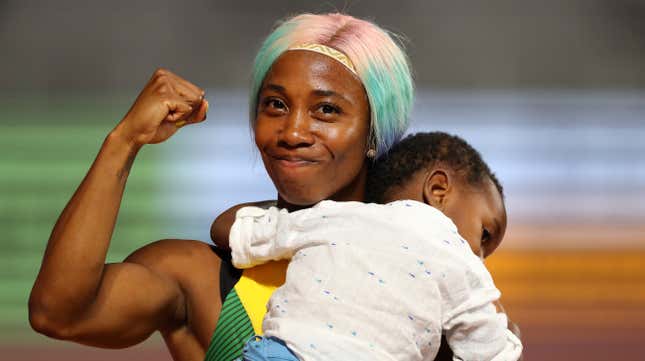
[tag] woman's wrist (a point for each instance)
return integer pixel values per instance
(119, 137)
(121, 151)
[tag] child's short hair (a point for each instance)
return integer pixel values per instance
(424, 151)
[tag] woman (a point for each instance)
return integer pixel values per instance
(328, 93)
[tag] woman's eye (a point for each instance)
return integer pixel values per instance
(275, 103)
(328, 109)
(274, 106)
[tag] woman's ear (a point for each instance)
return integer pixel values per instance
(436, 188)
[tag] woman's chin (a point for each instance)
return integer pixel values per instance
(299, 201)
(299, 198)
(302, 190)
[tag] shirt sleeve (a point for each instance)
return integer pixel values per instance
(261, 235)
(474, 330)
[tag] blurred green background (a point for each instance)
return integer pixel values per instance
(44, 153)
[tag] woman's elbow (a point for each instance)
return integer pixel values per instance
(44, 321)
(43, 324)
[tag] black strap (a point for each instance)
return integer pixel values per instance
(228, 274)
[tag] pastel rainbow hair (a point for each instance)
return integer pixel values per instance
(381, 65)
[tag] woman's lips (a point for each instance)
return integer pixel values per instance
(294, 162)
(291, 161)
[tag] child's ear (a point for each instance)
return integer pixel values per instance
(436, 188)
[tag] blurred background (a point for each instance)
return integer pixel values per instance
(551, 92)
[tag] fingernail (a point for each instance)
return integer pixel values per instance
(180, 123)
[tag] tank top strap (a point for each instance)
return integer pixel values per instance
(232, 331)
(243, 308)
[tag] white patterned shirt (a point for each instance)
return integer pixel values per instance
(374, 282)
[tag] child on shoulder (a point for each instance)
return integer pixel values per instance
(384, 281)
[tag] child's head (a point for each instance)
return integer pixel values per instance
(445, 172)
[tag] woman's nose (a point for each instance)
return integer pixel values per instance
(297, 130)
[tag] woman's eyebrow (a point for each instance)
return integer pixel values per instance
(330, 93)
(275, 87)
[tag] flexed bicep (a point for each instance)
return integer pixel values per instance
(131, 304)
(131, 301)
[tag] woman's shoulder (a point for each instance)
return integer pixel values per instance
(180, 259)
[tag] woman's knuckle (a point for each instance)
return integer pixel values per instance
(163, 88)
(161, 71)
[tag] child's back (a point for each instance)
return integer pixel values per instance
(373, 282)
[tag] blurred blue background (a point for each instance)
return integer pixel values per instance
(551, 92)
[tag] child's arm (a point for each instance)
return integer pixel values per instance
(482, 334)
(474, 329)
(261, 235)
(221, 227)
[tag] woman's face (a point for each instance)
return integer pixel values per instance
(311, 128)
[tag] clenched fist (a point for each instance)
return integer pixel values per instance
(165, 104)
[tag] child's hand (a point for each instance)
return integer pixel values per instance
(512, 326)
(221, 227)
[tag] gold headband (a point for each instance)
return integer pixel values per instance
(330, 52)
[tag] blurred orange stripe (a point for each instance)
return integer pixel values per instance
(601, 289)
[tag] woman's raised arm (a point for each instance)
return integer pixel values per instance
(77, 296)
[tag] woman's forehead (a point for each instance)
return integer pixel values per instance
(313, 71)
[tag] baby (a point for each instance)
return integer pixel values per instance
(384, 281)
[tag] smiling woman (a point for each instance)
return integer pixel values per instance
(312, 129)
(329, 92)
